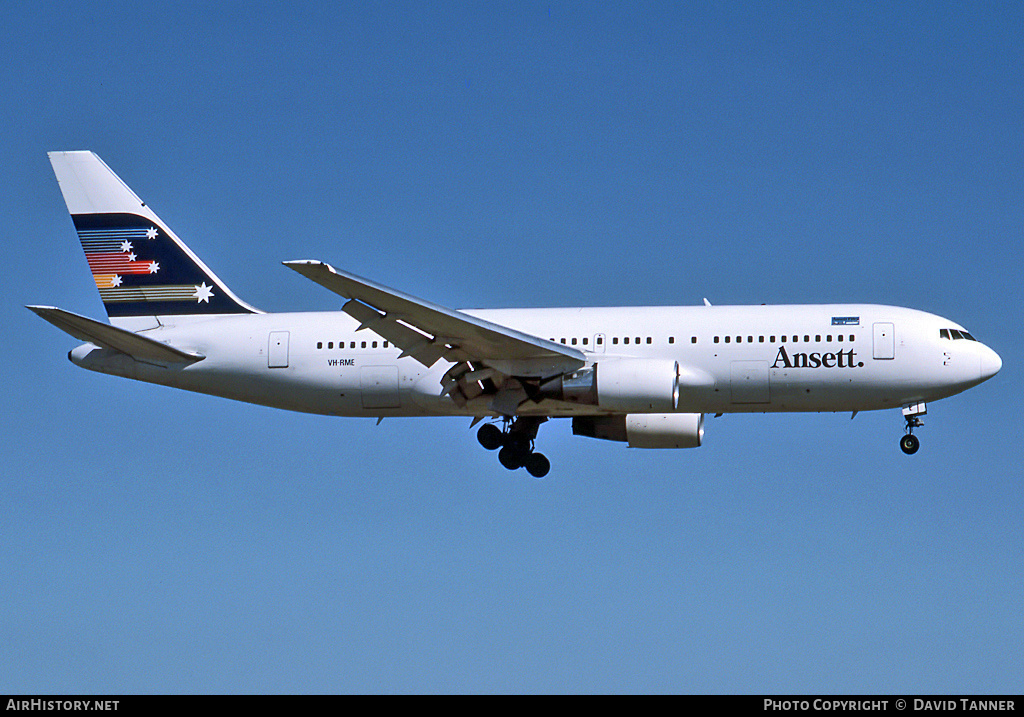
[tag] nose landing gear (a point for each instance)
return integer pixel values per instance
(910, 443)
(516, 445)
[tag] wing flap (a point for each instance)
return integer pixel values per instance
(111, 337)
(424, 330)
(422, 348)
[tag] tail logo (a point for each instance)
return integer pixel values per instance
(109, 260)
(140, 269)
(111, 256)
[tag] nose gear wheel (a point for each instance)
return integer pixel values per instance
(909, 443)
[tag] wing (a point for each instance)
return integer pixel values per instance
(428, 332)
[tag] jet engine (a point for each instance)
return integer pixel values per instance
(621, 385)
(645, 430)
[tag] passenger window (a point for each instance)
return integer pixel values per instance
(828, 339)
(851, 337)
(807, 339)
(625, 340)
(352, 345)
(615, 340)
(563, 341)
(364, 345)
(750, 339)
(693, 339)
(600, 340)
(671, 339)
(716, 339)
(727, 338)
(320, 344)
(574, 342)
(648, 339)
(739, 339)
(585, 340)
(772, 339)
(374, 344)
(817, 338)
(385, 344)
(840, 338)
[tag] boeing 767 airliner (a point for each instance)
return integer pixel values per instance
(642, 375)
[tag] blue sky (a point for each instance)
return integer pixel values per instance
(524, 154)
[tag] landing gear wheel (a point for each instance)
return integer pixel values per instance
(490, 436)
(516, 444)
(909, 444)
(537, 465)
(511, 457)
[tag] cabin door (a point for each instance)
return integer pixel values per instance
(277, 350)
(884, 340)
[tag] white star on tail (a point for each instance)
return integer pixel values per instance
(203, 293)
(153, 267)
(151, 233)
(126, 246)
(115, 280)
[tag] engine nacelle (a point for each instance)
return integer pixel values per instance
(623, 385)
(638, 385)
(645, 430)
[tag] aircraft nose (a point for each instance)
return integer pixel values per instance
(990, 363)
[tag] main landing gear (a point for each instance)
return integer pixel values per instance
(910, 443)
(516, 445)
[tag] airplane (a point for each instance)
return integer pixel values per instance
(645, 376)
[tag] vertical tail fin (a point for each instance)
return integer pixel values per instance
(141, 268)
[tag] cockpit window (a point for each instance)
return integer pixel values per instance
(955, 334)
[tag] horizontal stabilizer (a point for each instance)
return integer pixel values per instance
(106, 336)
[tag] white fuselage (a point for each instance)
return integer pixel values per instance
(840, 357)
